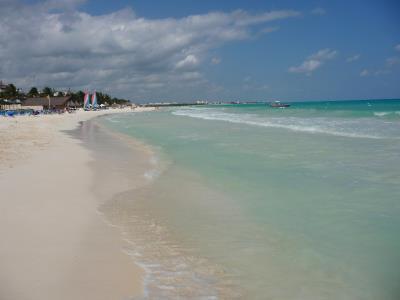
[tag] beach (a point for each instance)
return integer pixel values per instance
(213, 202)
(55, 244)
(199, 150)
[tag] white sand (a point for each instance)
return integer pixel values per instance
(54, 244)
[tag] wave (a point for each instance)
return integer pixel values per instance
(386, 113)
(152, 174)
(353, 128)
(171, 272)
(113, 119)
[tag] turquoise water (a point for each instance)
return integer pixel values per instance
(295, 203)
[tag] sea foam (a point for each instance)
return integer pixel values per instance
(352, 128)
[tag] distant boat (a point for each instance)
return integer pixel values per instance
(279, 104)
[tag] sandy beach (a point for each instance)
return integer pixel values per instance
(199, 150)
(55, 245)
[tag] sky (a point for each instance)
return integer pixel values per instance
(181, 50)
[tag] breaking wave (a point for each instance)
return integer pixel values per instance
(350, 127)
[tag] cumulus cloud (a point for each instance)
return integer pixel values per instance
(243, 18)
(314, 61)
(318, 11)
(53, 43)
(364, 73)
(190, 62)
(397, 47)
(353, 58)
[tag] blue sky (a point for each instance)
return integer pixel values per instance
(231, 50)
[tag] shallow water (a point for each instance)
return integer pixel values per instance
(252, 202)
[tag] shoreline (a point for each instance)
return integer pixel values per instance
(120, 164)
(172, 269)
(56, 245)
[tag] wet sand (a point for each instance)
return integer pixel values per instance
(152, 196)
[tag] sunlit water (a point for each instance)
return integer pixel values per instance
(247, 201)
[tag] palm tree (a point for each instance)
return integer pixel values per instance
(47, 91)
(33, 92)
(11, 91)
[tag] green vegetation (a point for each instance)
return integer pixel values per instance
(102, 98)
(11, 92)
(33, 92)
(47, 91)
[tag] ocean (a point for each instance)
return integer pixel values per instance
(253, 202)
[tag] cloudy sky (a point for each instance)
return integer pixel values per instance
(186, 50)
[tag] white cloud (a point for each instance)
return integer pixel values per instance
(318, 11)
(306, 67)
(188, 63)
(314, 61)
(53, 43)
(397, 47)
(353, 58)
(324, 54)
(243, 18)
(364, 73)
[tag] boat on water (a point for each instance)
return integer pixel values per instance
(279, 104)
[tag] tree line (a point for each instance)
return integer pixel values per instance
(11, 92)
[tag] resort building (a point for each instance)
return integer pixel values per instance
(39, 103)
(9, 105)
